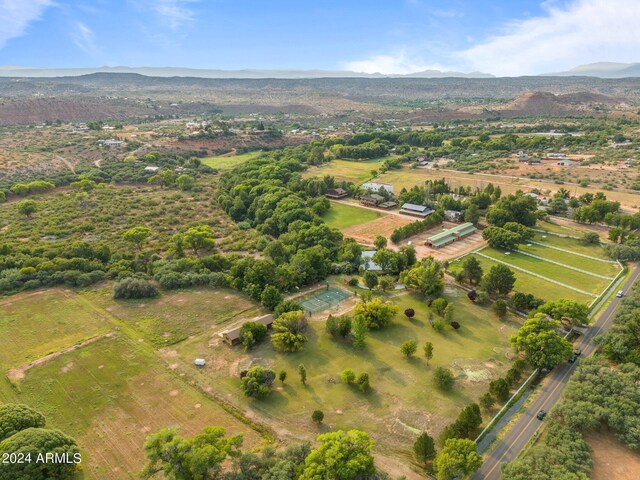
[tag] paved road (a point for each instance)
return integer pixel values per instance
(519, 435)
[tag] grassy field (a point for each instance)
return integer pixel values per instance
(343, 216)
(176, 315)
(35, 324)
(529, 284)
(594, 266)
(404, 400)
(567, 276)
(350, 171)
(227, 163)
(110, 395)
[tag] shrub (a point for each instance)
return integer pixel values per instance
(439, 305)
(455, 325)
(134, 288)
(500, 308)
(338, 326)
(363, 382)
(439, 325)
(443, 378)
(409, 312)
(409, 348)
(257, 382)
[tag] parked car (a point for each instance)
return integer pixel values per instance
(620, 294)
(541, 415)
(573, 358)
(577, 352)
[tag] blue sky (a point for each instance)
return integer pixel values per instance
(504, 37)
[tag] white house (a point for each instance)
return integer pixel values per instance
(375, 187)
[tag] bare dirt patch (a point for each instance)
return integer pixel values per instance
(611, 459)
(367, 232)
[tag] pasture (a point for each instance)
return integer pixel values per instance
(342, 216)
(36, 324)
(227, 162)
(403, 401)
(179, 314)
(110, 395)
(350, 171)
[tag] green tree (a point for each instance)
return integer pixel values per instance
(457, 459)
(424, 449)
(500, 308)
(499, 389)
(591, 238)
(500, 279)
(15, 417)
(426, 276)
(27, 207)
(270, 297)
(282, 376)
(472, 270)
(287, 332)
(200, 238)
(428, 351)
(576, 312)
(137, 235)
(487, 401)
(542, 346)
(360, 331)
(380, 242)
(377, 313)
(340, 456)
(257, 382)
(317, 416)
(180, 458)
(286, 306)
(467, 425)
(472, 213)
(3, 196)
(409, 348)
(302, 371)
(363, 382)
(448, 313)
(370, 279)
(252, 333)
(338, 326)
(439, 305)
(348, 376)
(443, 378)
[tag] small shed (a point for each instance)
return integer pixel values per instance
(388, 205)
(371, 200)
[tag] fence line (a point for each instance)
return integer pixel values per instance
(564, 265)
(572, 253)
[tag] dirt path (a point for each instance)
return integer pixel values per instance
(18, 373)
(66, 162)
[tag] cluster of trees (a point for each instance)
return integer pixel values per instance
(23, 434)
(508, 236)
(538, 339)
(518, 208)
(499, 280)
(211, 454)
(417, 227)
(372, 149)
(426, 276)
(349, 377)
(621, 343)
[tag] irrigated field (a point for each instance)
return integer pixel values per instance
(342, 216)
(404, 400)
(228, 162)
(582, 272)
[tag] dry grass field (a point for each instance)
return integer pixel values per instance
(611, 459)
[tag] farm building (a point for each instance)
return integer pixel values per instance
(564, 163)
(375, 187)
(453, 216)
(371, 200)
(336, 193)
(232, 337)
(416, 210)
(388, 205)
(451, 235)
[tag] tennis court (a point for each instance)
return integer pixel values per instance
(324, 300)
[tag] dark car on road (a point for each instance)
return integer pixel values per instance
(541, 415)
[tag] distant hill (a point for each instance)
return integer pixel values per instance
(547, 103)
(602, 70)
(34, 72)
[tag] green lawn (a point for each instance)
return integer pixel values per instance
(571, 244)
(227, 163)
(176, 315)
(567, 276)
(343, 216)
(529, 284)
(404, 400)
(35, 324)
(109, 396)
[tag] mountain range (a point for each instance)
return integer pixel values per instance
(600, 70)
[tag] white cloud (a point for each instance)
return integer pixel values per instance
(400, 63)
(17, 15)
(577, 32)
(83, 38)
(174, 13)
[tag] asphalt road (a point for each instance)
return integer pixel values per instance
(508, 448)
